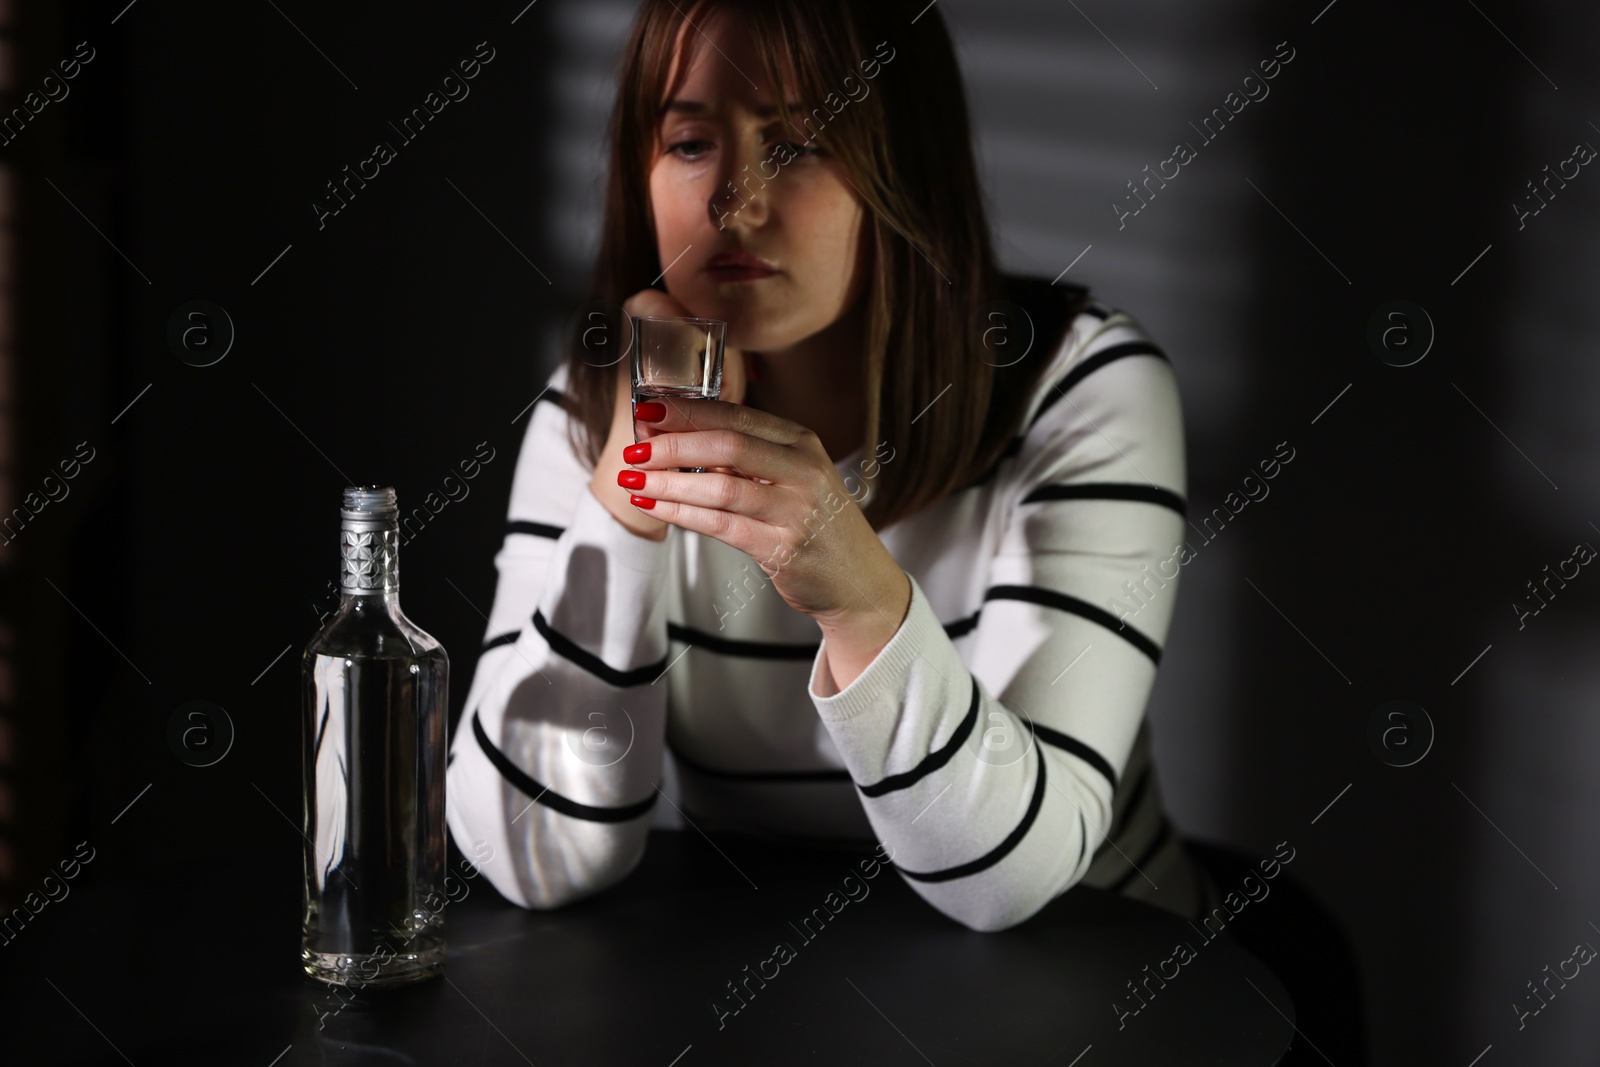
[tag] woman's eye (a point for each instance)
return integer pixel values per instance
(685, 144)
(692, 150)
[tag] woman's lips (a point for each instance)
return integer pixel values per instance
(739, 265)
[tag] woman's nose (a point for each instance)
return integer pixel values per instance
(723, 205)
(740, 194)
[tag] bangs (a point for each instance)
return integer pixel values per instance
(792, 41)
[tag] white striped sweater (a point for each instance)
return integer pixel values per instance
(996, 746)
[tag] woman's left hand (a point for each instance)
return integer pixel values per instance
(769, 490)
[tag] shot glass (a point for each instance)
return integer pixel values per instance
(676, 359)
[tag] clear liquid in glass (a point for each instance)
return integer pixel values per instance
(648, 391)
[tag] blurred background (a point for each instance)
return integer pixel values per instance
(178, 476)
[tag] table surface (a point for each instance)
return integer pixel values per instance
(205, 969)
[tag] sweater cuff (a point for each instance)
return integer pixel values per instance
(886, 679)
(592, 524)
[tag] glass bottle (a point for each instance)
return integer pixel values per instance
(374, 694)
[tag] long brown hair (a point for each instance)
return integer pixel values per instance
(937, 388)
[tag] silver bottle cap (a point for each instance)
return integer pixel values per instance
(369, 535)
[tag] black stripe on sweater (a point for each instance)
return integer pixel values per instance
(738, 646)
(1149, 494)
(1082, 370)
(571, 650)
(730, 646)
(537, 529)
(933, 760)
(1145, 857)
(962, 627)
(1049, 598)
(543, 794)
(1068, 743)
(995, 855)
(509, 638)
(1059, 389)
(823, 774)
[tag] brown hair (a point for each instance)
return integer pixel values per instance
(933, 388)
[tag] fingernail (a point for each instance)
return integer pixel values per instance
(630, 479)
(639, 453)
(641, 502)
(650, 410)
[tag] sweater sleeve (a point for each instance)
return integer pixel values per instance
(989, 778)
(556, 759)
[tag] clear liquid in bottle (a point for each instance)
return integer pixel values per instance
(374, 693)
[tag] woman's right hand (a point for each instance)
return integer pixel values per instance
(651, 303)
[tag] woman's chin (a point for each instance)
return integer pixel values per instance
(730, 308)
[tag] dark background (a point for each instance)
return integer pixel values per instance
(419, 322)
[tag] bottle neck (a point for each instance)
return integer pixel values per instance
(369, 561)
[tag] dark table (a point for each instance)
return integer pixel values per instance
(204, 969)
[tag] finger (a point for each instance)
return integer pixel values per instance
(707, 491)
(738, 474)
(700, 415)
(742, 454)
(749, 535)
(654, 303)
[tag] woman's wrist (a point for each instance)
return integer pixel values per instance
(852, 641)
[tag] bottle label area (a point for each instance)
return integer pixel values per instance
(369, 558)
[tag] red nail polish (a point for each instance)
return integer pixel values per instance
(641, 501)
(630, 479)
(639, 453)
(650, 410)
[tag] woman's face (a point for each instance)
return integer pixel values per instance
(802, 216)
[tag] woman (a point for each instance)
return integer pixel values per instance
(881, 611)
